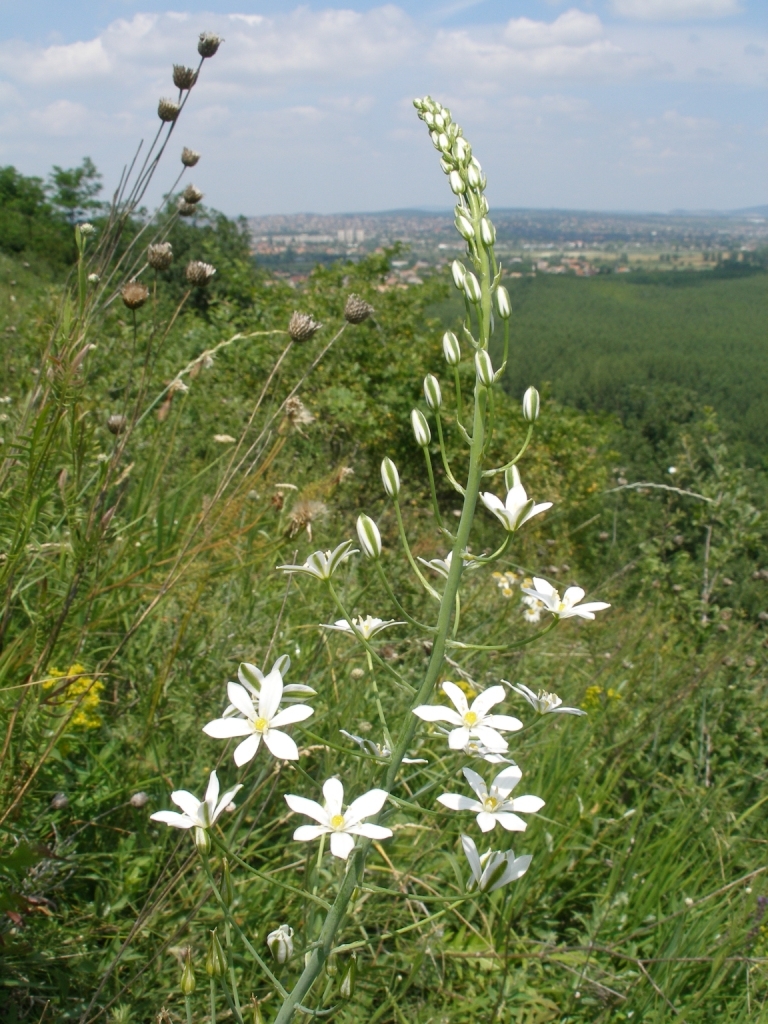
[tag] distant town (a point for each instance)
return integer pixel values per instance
(528, 241)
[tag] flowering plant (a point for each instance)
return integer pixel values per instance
(477, 730)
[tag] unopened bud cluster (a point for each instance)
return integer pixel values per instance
(280, 943)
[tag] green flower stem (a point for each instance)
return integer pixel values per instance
(379, 708)
(234, 1009)
(353, 876)
(444, 455)
(511, 463)
(231, 965)
(506, 344)
(188, 1008)
(213, 1001)
(457, 614)
(396, 603)
(456, 644)
(264, 877)
(406, 547)
(491, 419)
(240, 934)
(376, 657)
(497, 554)
(433, 493)
(460, 408)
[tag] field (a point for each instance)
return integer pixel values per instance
(151, 486)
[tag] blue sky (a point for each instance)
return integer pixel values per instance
(598, 104)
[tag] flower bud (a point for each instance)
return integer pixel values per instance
(458, 272)
(140, 799)
(199, 273)
(331, 966)
(502, 302)
(208, 44)
(465, 229)
(457, 183)
(257, 1016)
(227, 889)
(512, 477)
(188, 984)
(443, 143)
(116, 424)
(94, 278)
(160, 255)
(439, 121)
(192, 194)
(369, 536)
(472, 288)
(134, 294)
(451, 349)
(280, 943)
(432, 392)
(420, 428)
(429, 119)
(487, 231)
(356, 310)
(434, 136)
(462, 149)
(531, 403)
(445, 165)
(215, 961)
(302, 326)
(483, 204)
(183, 77)
(390, 477)
(189, 157)
(202, 841)
(167, 110)
(484, 367)
(347, 987)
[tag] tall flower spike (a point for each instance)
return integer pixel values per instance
(517, 507)
(197, 813)
(569, 606)
(261, 721)
(471, 723)
(494, 804)
(323, 564)
(342, 826)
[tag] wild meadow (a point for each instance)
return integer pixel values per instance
(173, 438)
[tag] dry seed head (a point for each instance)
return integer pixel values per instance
(303, 514)
(192, 194)
(140, 799)
(116, 423)
(189, 157)
(208, 44)
(356, 310)
(302, 327)
(167, 110)
(134, 294)
(160, 255)
(183, 77)
(298, 414)
(186, 209)
(199, 274)
(59, 802)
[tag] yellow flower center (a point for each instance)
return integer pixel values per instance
(490, 803)
(470, 719)
(260, 725)
(337, 821)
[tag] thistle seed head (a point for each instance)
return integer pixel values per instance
(160, 255)
(297, 413)
(116, 423)
(192, 194)
(302, 327)
(189, 157)
(185, 209)
(208, 44)
(167, 110)
(303, 514)
(134, 294)
(356, 310)
(199, 274)
(183, 77)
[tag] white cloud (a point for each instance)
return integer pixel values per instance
(61, 118)
(75, 62)
(676, 10)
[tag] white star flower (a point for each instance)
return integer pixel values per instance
(518, 507)
(494, 804)
(477, 749)
(252, 678)
(341, 825)
(443, 565)
(264, 723)
(197, 813)
(493, 869)
(323, 564)
(368, 626)
(543, 702)
(471, 722)
(569, 605)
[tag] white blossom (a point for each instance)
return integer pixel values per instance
(263, 723)
(517, 509)
(543, 702)
(341, 825)
(568, 606)
(443, 565)
(252, 678)
(367, 627)
(471, 723)
(474, 748)
(323, 564)
(492, 870)
(494, 804)
(197, 813)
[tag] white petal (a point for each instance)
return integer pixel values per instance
(311, 808)
(246, 750)
(342, 844)
(271, 695)
(515, 869)
(187, 802)
(365, 806)
(573, 595)
(173, 819)
(484, 701)
(306, 833)
(437, 713)
(477, 782)
(490, 738)
(225, 801)
(526, 804)
(524, 691)
(565, 711)
(543, 588)
(492, 503)
(506, 780)
(333, 791)
(454, 802)
(456, 696)
(294, 713)
(251, 677)
(226, 728)
(238, 695)
(212, 792)
(505, 722)
(370, 831)
(486, 821)
(470, 852)
(458, 738)
(281, 745)
(511, 822)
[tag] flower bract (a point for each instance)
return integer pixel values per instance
(197, 813)
(342, 826)
(495, 804)
(492, 870)
(471, 723)
(569, 605)
(543, 702)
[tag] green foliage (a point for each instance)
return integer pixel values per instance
(73, 190)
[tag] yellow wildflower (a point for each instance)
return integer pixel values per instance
(80, 690)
